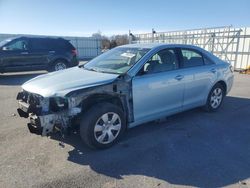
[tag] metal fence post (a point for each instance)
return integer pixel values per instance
(129, 37)
(153, 33)
(97, 48)
(237, 47)
(213, 40)
(77, 47)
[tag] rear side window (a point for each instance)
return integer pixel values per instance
(191, 58)
(207, 61)
(39, 44)
(51, 44)
(68, 45)
(60, 44)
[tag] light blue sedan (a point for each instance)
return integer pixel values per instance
(125, 87)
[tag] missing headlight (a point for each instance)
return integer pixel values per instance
(58, 104)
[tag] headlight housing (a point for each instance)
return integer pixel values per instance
(58, 104)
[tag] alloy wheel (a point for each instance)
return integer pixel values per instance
(60, 66)
(107, 128)
(216, 98)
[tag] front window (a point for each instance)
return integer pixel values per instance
(117, 61)
(164, 60)
(17, 45)
(3, 42)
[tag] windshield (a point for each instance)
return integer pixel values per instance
(117, 60)
(3, 42)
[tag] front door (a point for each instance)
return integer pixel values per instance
(158, 87)
(16, 55)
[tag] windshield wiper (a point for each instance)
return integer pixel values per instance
(100, 70)
(92, 69)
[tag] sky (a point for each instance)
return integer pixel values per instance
(84, 17)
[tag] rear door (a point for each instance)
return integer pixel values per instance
(40, 50)
(158, 87)
(199, 73)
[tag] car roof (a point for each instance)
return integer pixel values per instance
(159, 46)
(35, 37)
(156, 45)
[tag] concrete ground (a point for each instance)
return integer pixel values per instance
(194, 148)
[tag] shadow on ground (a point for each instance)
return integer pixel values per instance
(13, 79)
(192, 148)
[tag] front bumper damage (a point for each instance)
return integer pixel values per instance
(42, 120)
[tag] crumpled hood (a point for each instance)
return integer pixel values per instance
(62, 82)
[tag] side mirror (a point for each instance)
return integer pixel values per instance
(5, 48)
(141, 72)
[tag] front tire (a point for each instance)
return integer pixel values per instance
(102, 126)
(215, 98)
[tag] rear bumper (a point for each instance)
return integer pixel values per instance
(230, 81)
(74, 61)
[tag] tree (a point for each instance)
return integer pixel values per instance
(97, 35)
(105, 43)
(111, 42)
(120, 39)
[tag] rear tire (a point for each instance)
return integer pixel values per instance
(215, 98)
(102, 126)
(58, 65)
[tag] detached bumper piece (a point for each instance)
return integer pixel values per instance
(27, 108)
(44, 125)
(35, 126)
(44, 122)
(23, 109)
(22, 113)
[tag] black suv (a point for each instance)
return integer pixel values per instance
(33, 53)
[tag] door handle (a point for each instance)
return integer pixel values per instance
(213, 70)
(23, 53)
(179, 77)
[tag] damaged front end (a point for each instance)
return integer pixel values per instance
(47, 115)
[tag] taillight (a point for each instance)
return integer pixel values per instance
(74, 52)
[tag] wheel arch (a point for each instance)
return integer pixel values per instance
(93, 99)
(221, 82)
(59, 59)
(50, 66)
(224, 85)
